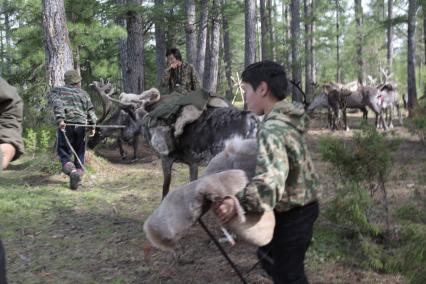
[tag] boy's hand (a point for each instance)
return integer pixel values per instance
(62, 125)
(92, 132)
(225, 209)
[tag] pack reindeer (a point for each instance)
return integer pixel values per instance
(129, 133)
(201, 140)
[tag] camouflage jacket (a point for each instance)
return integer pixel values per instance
(11, 112)
(183, 80)
(285, 177)
(73, 105)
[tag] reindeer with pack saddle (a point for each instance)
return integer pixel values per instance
(185, 129)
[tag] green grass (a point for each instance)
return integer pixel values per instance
(55, 235)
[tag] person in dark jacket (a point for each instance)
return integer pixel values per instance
(11, 144)
(72, 105)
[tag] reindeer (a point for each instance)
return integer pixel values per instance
(201, 140)
(338, 98)
(388, 100)
(118, 117)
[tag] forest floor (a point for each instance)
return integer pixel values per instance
(94, 235)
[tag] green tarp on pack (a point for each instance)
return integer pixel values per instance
(168, 107)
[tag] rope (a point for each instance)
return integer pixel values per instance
(72, 150)
(96, 126)
(222, 251)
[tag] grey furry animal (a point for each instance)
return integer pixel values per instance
(227, 174)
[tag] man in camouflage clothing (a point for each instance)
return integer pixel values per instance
(180, 77)
(285, 180)
(72, 105)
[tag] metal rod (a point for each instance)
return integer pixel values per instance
(222, 251)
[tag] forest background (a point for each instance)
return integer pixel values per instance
(125, 41)
(372, 224)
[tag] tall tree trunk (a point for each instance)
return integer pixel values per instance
(7, 34)
(191, 48)
(58, 54)
(202, 38)
(250, 32)
(272, 15)
(389, 54)
(122, 45)
(212, 57)
(258, 55)
(424, 29)
(172, 28)
(160, 41)
(308, 67)
(135, 49)
(227, 53)
(263, 31)
(2, 53)
(338, 66)
(411, 59)
(424, 40)
(77, 59)
(286, 37)
(295, 42)
(312, 51)
(359, 40)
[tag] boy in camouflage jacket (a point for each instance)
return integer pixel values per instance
(285, 180)
(72, 105)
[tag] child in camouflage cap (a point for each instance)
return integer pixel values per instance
(285, 180)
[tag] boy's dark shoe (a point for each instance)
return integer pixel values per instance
(75, 180)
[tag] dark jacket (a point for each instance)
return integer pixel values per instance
(11, 113)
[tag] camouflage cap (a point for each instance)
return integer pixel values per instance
(72, 77)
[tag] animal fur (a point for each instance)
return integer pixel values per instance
(182, 207)
(149, 96)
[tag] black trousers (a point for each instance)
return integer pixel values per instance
(283, 258)
(76, 136)
(2, 265)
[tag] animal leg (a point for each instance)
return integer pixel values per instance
(135, 147)
(345, 123)
(330, 118)
(166, 164)
(364, 113)
(389, 113)
(193, 172)
(121, 149)
(399, 113)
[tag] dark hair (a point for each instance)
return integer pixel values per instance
(271, 73)
(175, 52)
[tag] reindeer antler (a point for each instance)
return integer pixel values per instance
(104, 91)
(297, 85)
